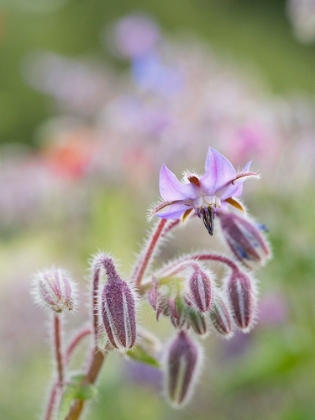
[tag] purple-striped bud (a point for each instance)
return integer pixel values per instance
(241, 293)
(118, 309)
(182, 363)
(221, 318)
(245, 239)
(200, 291)
(54, 289)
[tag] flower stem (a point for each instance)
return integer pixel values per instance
(148, 252)
(51, 402)
(58, 350)
(75, 342)
(96, 363)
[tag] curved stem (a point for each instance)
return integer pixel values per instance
(75, 342)
(147, 254)
(51, 402)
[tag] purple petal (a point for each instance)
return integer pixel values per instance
(231, 190)
(171, 189)
(218, 172)
(174, 211)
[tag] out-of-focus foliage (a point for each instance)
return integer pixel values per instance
(102, 122)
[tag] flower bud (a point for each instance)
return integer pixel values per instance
(241, 295)
(177, 310)
(197, 321)
(158, 302)
(182, 364)
(54, 289)
(244, 239)
(118, 309)
(220, 317)
(200, 288)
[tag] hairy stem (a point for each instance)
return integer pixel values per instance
(75, 342)
(96, 363)
(147, 254)
(51, 402)
(58, 350)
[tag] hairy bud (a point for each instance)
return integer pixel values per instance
(200, 288)
(118, 309)
(54, 289)
(198, 322)
(221, 318)
(182, 364)
(244, 239)
(241, 295)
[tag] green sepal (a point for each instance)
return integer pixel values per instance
(139, 354)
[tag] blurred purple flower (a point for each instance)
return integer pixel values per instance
(203, 194)
(142, 374)
(150, 73)
(134, 35)
(272, 310)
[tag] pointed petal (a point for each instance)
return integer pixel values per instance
(171, 188)
(218, 172)
(230, 190)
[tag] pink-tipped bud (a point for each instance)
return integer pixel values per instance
(54, 289)
(200, 291)
(118, 309)
(245, 239)
(182, 365)
(221, 318)
(240, 289)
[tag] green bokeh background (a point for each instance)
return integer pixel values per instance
(275, 378)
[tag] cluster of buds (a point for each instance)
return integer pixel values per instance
(183, 290)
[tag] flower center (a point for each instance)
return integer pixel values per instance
(205, 207)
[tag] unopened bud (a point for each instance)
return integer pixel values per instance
(245, 239)
(197, 321)
(156, 299)
(221, 318)
(118, 309)
(200, 288)
(54, 289)
(182, 363)
(177, 311)
(241, 295)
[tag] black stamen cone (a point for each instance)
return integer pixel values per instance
(207, 218)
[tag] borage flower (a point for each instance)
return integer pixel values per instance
(219, 186)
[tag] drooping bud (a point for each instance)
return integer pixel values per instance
(241, 293)
(177, 310)
(182, 363)
(156, 299)
(197, 321)
(221, 318)
(200, 288)
(245, 239)
(118, 309)
(54, 289)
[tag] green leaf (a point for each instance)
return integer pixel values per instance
(75, 390)
(139, 354)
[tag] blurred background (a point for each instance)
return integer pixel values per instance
(94, 97)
